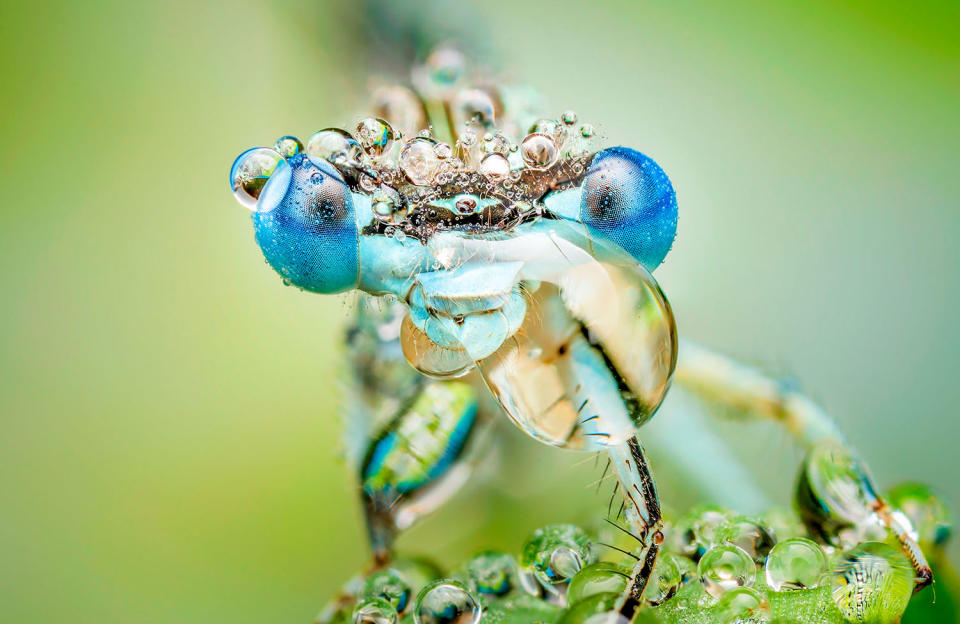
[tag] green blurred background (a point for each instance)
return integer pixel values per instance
(169, 448)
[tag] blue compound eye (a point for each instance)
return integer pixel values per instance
(628, 200)
(305, 225)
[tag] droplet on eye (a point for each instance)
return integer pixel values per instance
(375, 136)
(539, 151)
(446, 602)
(332, 145)
(796, 563)
(250, 173)
(419, 161)
(288, 146)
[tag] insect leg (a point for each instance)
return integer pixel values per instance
(745, 389)
(643, 513)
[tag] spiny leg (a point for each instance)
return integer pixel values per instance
(644, 516)
(745, 389)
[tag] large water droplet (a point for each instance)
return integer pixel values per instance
(375, 136)
(446, 602)
(795, 563)
(250, 172)
(872, 583)
(539, 151)
(375, 611)
(288, 146)
(557, 552)
(495, 168)
(725, 567)
(834, 491)
(597, 578)
(332, 145)
(419, 161)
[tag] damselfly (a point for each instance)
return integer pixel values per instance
(511, 258)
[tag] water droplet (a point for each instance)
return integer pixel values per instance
(597, 578)
(496, 144)
(556, 552)
(725, 567)
(375, 136)
(418, 161)
(539, 151)
(834, 491)
(390, 586)
(495, 168)
(250, 172)
(586, 131)
(443, 150)
(569, 117)
(332, 144)
(550, 127)
(664, 580)
(375, 611)
(751, 536)
(872, 583)
(928, 515)
(492, 573)
(795, 563)
(446, 602)
(399, 235)
(743, 604)
(288, 146)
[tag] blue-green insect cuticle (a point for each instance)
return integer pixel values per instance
(306, 226)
